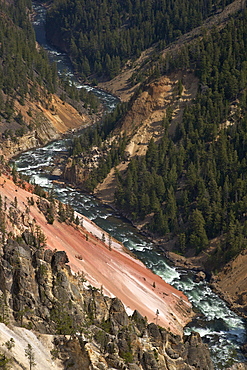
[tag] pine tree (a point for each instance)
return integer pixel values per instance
(197, 237)
(29, 353)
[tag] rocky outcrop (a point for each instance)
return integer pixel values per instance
(39, 292)
(75, 174)
(196, 352)
(230, 283)
(41, 223)
(45, 133)
(47, 123)
(86, 329)
(49, 292)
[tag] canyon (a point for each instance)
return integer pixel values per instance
(119, 313)
(72, 267)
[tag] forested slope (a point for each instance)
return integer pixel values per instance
(192, 184)
(195, 180)
(24, 71)
(32, 97)
(101, 35)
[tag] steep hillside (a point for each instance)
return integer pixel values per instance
(135, 72)
(53, 277)
(146, 119)
(231, 283)
(46, 124)
(101, 36)
(110, 268)
(175, 179)
(186, 187)
(31, 112)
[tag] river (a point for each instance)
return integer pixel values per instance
(221, 328)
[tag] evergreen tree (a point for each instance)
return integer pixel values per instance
(197, 235)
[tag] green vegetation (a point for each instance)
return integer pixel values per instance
(26, 74)
(64, 323)
(194, 184)
(5, 362)
(111, 159)
(4, 309)
(29, 353)
(101, 35)
(74, 95)
(2, 221)
(95, 136)
(23, 68)
(127, 356)
(65, 213)
(9, 344)
(101, 337)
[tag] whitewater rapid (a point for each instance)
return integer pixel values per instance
(219, 327)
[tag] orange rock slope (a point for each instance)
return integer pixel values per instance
(110, 268)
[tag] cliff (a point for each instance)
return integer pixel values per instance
(46, 123)
(106, 266)
(145, 120)
(230, 282)
(53, 280)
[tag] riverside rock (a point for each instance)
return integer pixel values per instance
(40, 291)
(195, 349)
(199, 276)
(26, 297)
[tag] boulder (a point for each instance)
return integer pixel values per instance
(199, 276)
(59, 259)
(48, 255)
(118, 315)
(197, 353)
(154, 332)
(149, 361)
(139, 320)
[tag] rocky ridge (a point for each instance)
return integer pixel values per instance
(111, 270)
(87, 329)
(59, 313)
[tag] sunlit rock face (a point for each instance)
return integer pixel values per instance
(51, 291)
(109, 268)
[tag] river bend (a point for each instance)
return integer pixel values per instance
(221, 328)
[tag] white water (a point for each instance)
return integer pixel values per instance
(221, 328)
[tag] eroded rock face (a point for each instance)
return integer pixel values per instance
(42, 294)
(118, 315)
(59, 259)
(42, 135)
(49, 121)
(199, 276)
(196, 352)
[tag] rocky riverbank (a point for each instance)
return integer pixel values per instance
(58, 278)
(104, 263)
(46, 124)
